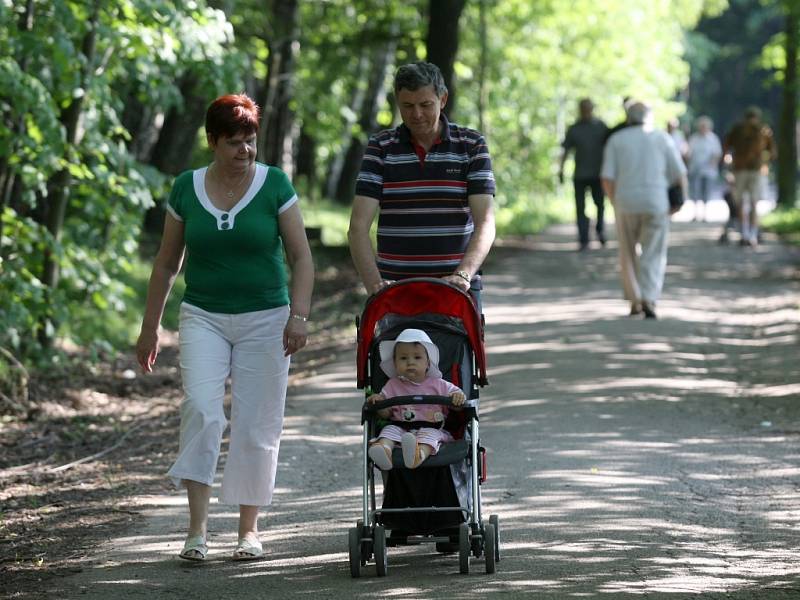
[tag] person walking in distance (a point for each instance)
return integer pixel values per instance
(705, 153)
(749, 147)
(586, 137)
(639, 164)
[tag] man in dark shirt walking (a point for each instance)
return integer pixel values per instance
(587, 137)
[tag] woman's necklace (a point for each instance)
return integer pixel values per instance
(231, 191)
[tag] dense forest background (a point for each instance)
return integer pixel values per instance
(102, 103)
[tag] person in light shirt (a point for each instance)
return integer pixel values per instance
(705, 152)
(639, 164)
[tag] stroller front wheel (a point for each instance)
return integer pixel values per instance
(495, 521)
(489, 547)
(354, 547)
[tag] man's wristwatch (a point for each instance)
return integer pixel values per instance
(464, 275)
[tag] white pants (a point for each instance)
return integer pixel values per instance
(748, 190)
(249, 348)
(642, 274)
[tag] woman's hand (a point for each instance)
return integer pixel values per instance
(295, 335)
(147, 348)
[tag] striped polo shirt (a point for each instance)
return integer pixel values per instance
(424, 223)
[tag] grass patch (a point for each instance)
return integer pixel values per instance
(331, 219)
(785, 222)
(533, 214)
(526, 216)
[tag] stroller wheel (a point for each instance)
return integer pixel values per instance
(379, 543)
(495, 520)
(464, 548)
(366, 543)
(354, 547)
(489, 540)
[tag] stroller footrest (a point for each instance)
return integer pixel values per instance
(449, 453)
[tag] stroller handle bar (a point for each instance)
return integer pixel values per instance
(415, 399)
(469, 406)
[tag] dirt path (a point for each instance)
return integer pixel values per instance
(627, 457)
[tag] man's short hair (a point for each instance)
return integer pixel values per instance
(752, 112)
(636, 111)
(704, 120)
(414, 76)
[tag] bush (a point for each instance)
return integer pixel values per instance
(784, 222)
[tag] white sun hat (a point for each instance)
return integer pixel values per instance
(410, 335)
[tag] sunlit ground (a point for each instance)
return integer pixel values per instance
(627, 457)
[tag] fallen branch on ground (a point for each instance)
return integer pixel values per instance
(96, 455)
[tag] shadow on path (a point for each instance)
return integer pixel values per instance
(627, 457)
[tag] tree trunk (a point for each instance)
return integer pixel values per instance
(177, 138)
(59, 185)
(275, 143)
(442, 42)
(371, 102)
(482, 66)
(356, 103)
(787, 135)
(306, 162)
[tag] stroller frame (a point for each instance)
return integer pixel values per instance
(368, 539)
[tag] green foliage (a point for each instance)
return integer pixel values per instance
(143, 49)
(731, 56)
(331, 218)
(24, 298)
(785, 222)
(154, 57)
(544, 56)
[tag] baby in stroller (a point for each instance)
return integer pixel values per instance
(439, 502)
(411, 362)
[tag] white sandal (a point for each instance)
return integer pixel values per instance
(194, 548)
(247, 549)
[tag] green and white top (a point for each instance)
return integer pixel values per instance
(235, 262)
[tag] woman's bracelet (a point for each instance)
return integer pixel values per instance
(299, 317)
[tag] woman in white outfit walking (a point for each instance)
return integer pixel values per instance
(232, 220)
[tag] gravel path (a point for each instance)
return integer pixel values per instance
(628, 458)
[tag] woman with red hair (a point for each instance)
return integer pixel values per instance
(241, 317)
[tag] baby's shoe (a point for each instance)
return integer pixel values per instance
(413, 454)
(381, 456)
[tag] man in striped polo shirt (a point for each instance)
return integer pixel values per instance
(431, 183)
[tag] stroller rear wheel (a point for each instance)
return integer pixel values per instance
(464, 548)
(379, 543)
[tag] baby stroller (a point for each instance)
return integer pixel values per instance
(438, 502)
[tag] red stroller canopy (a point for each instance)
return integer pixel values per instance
(416, 296)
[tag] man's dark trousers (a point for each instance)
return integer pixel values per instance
(593, 183)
